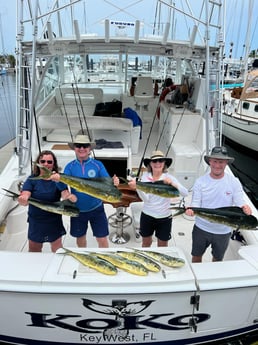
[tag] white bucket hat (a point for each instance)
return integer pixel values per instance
(82, 139)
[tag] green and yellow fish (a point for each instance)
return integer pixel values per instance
(129, 266)
(157, 187)
(101, 188)
(232, 216)
(64, 207)
(93, 262)
(162, 258)
(148, 263)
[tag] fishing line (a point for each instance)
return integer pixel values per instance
(78, 110)
(66, 115)
(80, 101)
(163, 128)
(173, 137)
(147, 142)
(84, 117)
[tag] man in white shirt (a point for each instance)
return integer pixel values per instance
(212, 190)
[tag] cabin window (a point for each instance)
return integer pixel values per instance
(246, 105)
(256, 108)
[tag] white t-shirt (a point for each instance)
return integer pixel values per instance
(213, 193)
(154, 205)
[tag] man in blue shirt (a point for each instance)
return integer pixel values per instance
(91, 208)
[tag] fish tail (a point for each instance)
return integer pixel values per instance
(47, 173)
(179, 210)
(12, 194)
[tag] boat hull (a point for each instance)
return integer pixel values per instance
(53, 298)
(242, 132)
(76, 319)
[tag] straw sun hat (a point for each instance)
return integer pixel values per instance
(158, 155)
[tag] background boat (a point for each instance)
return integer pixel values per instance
(240, 112)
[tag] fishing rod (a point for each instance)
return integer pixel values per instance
(66, 115)
(80, 101)
(84, 116)
(163, 128)
(78, 110)
(173, 137)
(147, 143)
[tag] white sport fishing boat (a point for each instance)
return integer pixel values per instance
(240, 114)
(52, 298)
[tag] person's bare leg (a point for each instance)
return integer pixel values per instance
(146, 241)
(196, 258)
(102, 242)
(35, 246)
(81, 242)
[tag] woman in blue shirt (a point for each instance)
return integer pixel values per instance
(44, 226)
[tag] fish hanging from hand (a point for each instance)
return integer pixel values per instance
(232, 216)
(101, 187)
(64, 207)
(158, 188)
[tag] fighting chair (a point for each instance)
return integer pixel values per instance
(143, 94)
(120, 219)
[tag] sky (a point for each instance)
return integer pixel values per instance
(236, 24)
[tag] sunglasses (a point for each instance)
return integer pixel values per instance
(85, 146)
(43, 161)
(220, 149)
(158, 160)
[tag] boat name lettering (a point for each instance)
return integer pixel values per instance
(126, 322)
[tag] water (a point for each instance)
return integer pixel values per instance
(7, 106)
(245, 167)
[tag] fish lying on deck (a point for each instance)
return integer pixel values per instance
(92, 261)
(124, 264)
(148, 263)
(64, 207)
(162, 258)
(101, 188)
(158, 188)
(232, 216)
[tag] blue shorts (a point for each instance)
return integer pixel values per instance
(202, 239)
(46, 230)
(98, 221)
(161, 227)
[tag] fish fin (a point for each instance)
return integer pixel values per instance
(231, 209)
(237, 236)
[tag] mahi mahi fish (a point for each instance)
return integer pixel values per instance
(94, 262)
(148, 263)
(158, 188)
(101, 188)
(129, 266)
(163, 258)
(232, 216)
(64, 207)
